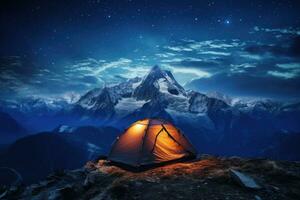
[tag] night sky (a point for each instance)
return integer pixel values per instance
(239, 48)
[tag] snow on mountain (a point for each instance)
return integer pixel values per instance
(127, 105)
(156, 83)
(258, 107)
(64, 129)
(158, 94)
(215, 122)
(106, 98)
(220, 96)
(200, 103)
(35, 105)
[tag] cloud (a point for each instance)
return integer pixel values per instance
(19, 77)
(251, 56)
(198, 73)
(289, 65)
(289, 30)
(232, 65)
(288, 46)
(218, 53)
(286, 70)
(286, 75)
(183, 74)
(165, 55)
(244, 84)
(241, 68)
(214, 44)
(178, 48)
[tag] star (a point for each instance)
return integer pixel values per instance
(227, 21)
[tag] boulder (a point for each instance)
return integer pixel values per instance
(92, 178)
(3, 195)
(244, 180)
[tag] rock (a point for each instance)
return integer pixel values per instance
(77, 174)
(152, 180)
(92, 178)
(165, 189)
(3, 195)
(203, 179)
(257, 197)
(57, 175)
(138, 184)
(54, 195)
(14, 190)
(244, 180)
(66, 192)
(35, 188)
(86, 182)
(47, 182)
(275, 188)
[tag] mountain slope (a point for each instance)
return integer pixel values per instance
(37, 155)
(10, 129)
(206, 178)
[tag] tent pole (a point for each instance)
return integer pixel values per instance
(156, 139)
(176, 140)
(142, 146)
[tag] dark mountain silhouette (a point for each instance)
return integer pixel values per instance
(10, 129)
(35, 156)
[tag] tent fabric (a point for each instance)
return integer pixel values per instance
(150, 141)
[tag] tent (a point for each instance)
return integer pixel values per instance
(150, 141)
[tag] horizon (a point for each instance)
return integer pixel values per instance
(71, 95)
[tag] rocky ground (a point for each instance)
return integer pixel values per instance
(205, 178)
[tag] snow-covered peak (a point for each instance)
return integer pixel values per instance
(36, 105)
(157, 82)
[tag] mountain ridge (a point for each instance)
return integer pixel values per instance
(245, 128)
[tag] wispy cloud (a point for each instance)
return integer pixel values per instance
(189, 59)
(286, 75)
(289, 65)
(241, 68)
(217, 53)
(178, 48)
(288, 30)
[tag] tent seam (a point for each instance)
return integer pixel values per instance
(142, 146)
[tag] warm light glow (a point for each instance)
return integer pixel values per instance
(138, 128)
(166, 148)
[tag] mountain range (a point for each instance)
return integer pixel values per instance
(214, 122)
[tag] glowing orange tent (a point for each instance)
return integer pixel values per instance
(150, 141)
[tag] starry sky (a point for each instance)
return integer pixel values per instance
(239, 48)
